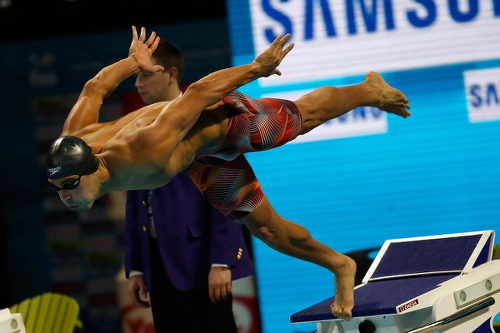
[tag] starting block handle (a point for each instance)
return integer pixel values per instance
(457, 315)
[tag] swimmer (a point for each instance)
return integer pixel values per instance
(204, 133)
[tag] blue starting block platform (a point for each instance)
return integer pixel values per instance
(445, 283)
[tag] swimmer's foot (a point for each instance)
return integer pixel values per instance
(344, 289)
(385, 97)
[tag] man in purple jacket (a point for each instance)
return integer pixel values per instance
(178, 247)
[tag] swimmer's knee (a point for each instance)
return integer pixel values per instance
(264, 232)
(309, 124)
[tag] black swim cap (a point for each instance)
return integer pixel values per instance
(70, 155)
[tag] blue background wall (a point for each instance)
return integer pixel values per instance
(433, 173)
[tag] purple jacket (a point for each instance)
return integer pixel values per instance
(191, 235)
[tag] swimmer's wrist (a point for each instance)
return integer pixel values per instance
(133, 63)
(259, 69)
(131, 57)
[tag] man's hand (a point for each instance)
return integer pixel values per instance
(141, 50)
(137, 292)
(219, 283)
(271, 58)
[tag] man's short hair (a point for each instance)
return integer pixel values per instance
(168, 55)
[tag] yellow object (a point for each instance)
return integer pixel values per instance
(49, 312)
(496, 251)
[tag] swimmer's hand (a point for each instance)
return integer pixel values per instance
(269, 60)
(141, 50)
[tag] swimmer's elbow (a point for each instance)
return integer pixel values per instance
(97, 85)
(284, 232)
(205, 92)
(264, 233)
(270, 234)
(197, 90)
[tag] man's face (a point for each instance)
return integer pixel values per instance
(74, 191)
(153, 86)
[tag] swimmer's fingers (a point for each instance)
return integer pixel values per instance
(151, 39)
(142, 37)
(158, 68)
(155, 45)
(279, 42)
(284, 39)
(288, 49)
(134, 33)
(273, 55)
(276, 41)
(281, 53)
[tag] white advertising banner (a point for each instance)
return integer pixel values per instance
(349, 37)
(483, 94)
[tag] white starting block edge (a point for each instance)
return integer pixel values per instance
(474, 286)
(486, 236)
(11, 322)
(478, 279)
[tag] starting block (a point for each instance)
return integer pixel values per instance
(11, 322)
(446, 283)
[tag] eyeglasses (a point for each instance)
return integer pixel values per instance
(70, 184)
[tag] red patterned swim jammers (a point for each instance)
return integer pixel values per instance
(225, 178)
(231, 187)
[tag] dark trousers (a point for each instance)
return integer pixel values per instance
(176, 311)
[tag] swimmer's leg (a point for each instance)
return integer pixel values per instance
(294, 240)
(328, 102)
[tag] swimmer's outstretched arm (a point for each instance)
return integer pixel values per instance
(180, 115)
(86, 110)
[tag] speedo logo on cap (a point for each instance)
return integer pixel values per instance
(53, 171)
